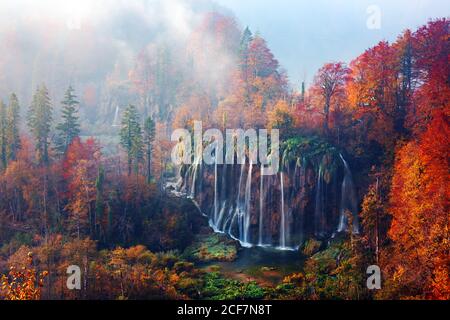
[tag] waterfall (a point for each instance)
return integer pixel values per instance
(195, 172)
(261, 207)
(319, 210)
(194, 179)
(303, 198)
(219, 226)
(247, 212)
(223, 199)
(283, 216)
(185, 184)
(216, 200)
(116, 118)
(290, 207)
(231, 208)
(348, 201)
(238, 208)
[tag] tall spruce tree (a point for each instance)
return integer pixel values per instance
(40, 121)
(3, 139)
(131, 138)
(13, 124)
(246, 39)
(69, 128)
(149, 138)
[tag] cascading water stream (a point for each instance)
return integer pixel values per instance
(319, 210)
(283, 215)
(303, 196)
(238, 207)
(116, 118)
(245, 237)
(348, 201)
(216, 200)
(194, 179)
(261, 208)
(220, 221)
(234, 207)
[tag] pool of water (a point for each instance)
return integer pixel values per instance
(264, 265)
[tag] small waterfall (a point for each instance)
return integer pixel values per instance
(261, 208)
(195, 168)
(247, 212)
(219, 226)
(223, 200)
(238, 208)
(283, 215)
(319, 210)
(184, 185)
(348, 201)
(116, 118)
(303, 198)
(230, 208)
(194, 180)
(216, 196)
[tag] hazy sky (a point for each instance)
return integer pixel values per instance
(305, 34)
(84, 41)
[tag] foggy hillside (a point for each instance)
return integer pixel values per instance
(95, 47)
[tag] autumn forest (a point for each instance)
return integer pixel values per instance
(87, 180)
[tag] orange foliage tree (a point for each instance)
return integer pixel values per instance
(81, 168)
(419, 264)
(23, 284)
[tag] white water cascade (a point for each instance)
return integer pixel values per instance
(116, 118)
(261, 208)
(216, 195)
(319, 214)
(283, 215)
(238, 207)
(245, 237)
(348, 201)
(291, 207)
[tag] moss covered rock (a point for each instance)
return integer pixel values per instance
(311, 247)
(212, 247)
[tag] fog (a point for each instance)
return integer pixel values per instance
(83, 42)
(93, 45)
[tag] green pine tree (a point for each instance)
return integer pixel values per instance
(149, 138)
(131, 138)
(303, 92)
(246, 39)
(39, 122)
(69, 128)
(13, 123)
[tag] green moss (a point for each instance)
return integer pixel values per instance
(302, 150)
(211, 247)
(324, 262)
(220, 288)
(183, 266)
(311, 247)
